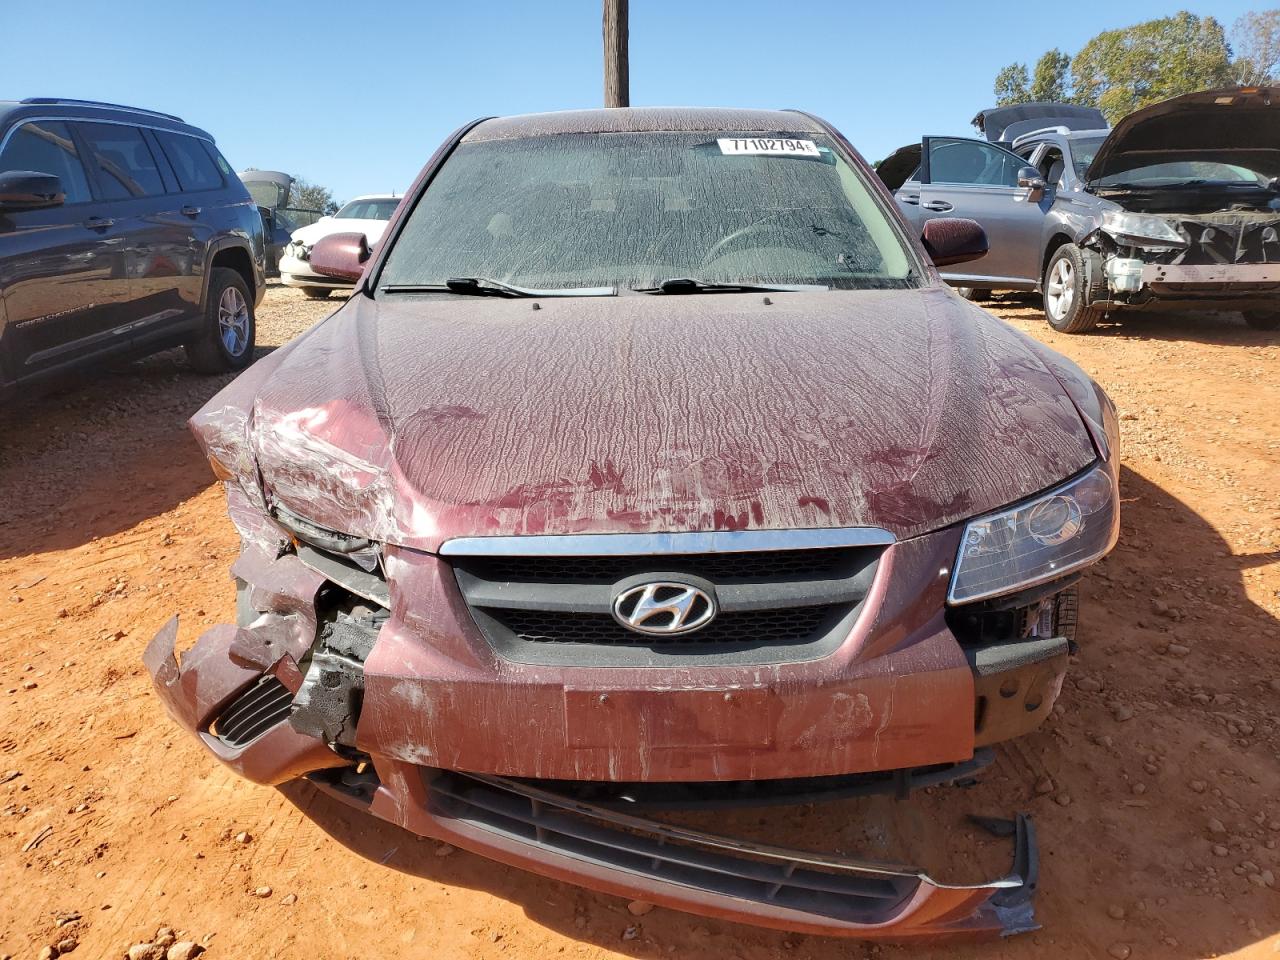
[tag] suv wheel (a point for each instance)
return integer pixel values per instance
(1066, 304)
(315, 293)
(973, 293)
(226, 341)
(1260, 320)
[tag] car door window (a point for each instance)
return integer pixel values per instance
(1052, 167)
(122, 160)
(971, 162)
(190, 161)
(46, 146)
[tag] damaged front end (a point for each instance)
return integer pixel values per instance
(303, 687)
(1223, 259)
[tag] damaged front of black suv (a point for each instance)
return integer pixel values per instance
(1189, 209)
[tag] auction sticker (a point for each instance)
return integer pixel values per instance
(767, 147)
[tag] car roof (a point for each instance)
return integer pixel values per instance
(373, 196)
(32, 107)
(643, 120)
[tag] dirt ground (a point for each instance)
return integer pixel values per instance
(1155, 787)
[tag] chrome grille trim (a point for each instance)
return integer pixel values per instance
(658, 544)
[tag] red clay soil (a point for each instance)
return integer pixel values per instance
(1155, 786)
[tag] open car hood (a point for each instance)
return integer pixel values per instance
(894, 169)
(1238, 125)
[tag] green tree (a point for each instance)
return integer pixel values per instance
(306, 195)
(1011, 85)
(1255, 38)
(1121, 70)
(1051, 79)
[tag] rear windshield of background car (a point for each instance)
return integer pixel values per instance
(633, 209)
(125, 166)
(191, 163)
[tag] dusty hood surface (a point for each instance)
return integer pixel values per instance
(417, 420)
(1222, 126)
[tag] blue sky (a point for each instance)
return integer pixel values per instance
(361, 106)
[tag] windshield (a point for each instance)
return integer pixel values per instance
(632, 210)
(368, 210)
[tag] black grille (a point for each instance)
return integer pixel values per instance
(253, 713)
(770, 605)
(755, 565)
(756, 627)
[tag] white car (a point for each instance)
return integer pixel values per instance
(367, 215)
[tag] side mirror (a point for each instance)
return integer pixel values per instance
(340, 255)
(949, 240)
(1030, 179)
(28, 190)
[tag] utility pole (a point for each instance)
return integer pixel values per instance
(617, 92)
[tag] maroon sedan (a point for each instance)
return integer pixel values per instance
(651, 465)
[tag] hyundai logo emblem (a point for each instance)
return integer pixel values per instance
(664, 607)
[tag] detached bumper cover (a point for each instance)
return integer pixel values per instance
(702, 873)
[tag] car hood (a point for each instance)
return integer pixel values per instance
(895, 169)
(416, 420)
(372, 229)
(1223, 126)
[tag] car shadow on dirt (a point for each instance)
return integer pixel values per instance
(1216, 328)
(97, 455)
(1172, 731)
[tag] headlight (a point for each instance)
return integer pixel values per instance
(1140, 230)
(1058, 532)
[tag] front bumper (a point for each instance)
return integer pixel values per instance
(595, 846)
(896, 692)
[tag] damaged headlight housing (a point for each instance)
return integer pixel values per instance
(1141, 230)
(1054, 534)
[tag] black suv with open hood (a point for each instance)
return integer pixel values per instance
(1176, 207)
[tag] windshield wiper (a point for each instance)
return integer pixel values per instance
(690, 285)
(487, 287)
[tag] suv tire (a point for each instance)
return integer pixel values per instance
(1066, 292)
(974, 294)
(226, 340)
(315, 293)
(1261, 319)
